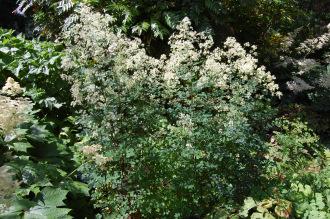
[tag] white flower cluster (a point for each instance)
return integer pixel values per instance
(191, 55)
(91, 150)
(11, 87)
(96, 45)
(86, 28)
(305, 65)
(139, 107)
(94, 153)
(314, 71)
(233, 64)
(312, 45)
(92, 45)
(13, 111)
(120, 87)
(186, 122)
(298, 85)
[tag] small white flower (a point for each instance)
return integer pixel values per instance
(12, 87)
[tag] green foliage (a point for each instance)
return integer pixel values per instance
(36, 65)
(294, 151)
(237, 16)
(37, 150)
(266, 209)
(292, 147)
(40, 161)
(48, 15)
(296, 183)
(154, 21)
(301, 170)
(309, 191)
(49, 204)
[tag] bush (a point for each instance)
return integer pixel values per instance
(166, 137)
(296, 183)
(35, 163)
(36, 65)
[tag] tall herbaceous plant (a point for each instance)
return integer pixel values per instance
(169, 136)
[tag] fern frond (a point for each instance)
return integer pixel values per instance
(172, 19)
(64, 6)
(213, 5)
(141, 27)
(158, 29)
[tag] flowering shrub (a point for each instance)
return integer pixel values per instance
(167, 137)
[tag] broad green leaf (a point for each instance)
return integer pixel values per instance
(249, 203)
(283, 208)
(22, 146)
(53, 196)
(266, 215)
(10, 215)
(21, 204)
(319, 201)
(76, 187)
(257, 215)
(40, 212)
(317, 214)
(4, 50)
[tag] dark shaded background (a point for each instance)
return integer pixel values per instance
(10, 20)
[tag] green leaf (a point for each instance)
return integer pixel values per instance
(10, 215)
(141, 27)
(317, 214)
(158, 30)
(4, 50)
(40, 212)
(172, 19)
(53, 196)
(76, 187)
(262, 216)
(249, 203)
(21, 205)
(257, 215)
(319, 201)
(22, 146)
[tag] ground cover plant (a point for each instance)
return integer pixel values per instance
(145, 109)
